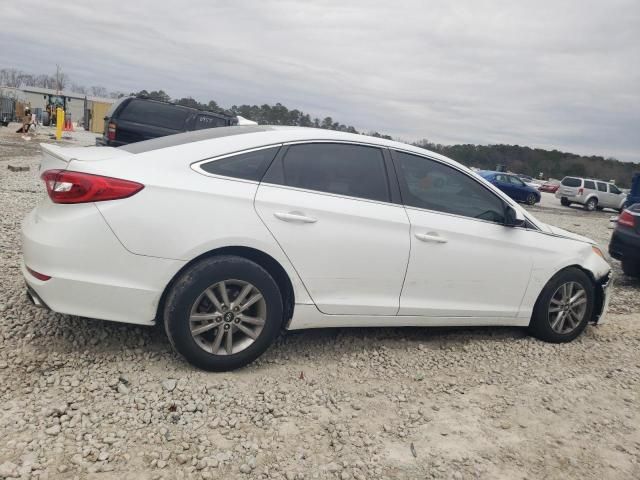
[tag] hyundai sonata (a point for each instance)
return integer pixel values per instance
(228, 235)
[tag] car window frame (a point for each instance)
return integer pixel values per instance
(391, 178)
(606, 187)
(593, 182)
(474, 177)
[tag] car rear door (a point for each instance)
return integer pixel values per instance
(604, 200)
(330, 207)
(464, 261)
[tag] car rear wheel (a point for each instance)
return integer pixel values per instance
(531, 199)
(564, 307)
(223, 313)
(591, 204)
(564, 201)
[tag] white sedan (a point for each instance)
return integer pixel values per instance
(230, 234)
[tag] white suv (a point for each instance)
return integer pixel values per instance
(592, 194)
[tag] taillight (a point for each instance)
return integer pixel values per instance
(38, 275)
(627, 219)
(580, 191)
(64, 186)
(111, 131)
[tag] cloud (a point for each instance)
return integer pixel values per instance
(551, 74)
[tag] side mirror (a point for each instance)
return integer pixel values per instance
(513, 217)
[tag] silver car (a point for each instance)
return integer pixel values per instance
(592, 194)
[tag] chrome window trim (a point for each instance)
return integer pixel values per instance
(197, 165)
(329, 194)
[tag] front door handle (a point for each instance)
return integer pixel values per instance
(431, 237)
(294, 217)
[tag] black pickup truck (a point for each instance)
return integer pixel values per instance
(625, 240)
(134, 119)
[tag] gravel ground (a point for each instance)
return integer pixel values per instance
(82, 398)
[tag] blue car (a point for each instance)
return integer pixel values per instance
(634, 194)
(512, 186)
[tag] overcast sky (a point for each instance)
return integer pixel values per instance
(553, 74)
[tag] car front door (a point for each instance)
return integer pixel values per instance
(518, 188)
(329, 206)
(464, 261)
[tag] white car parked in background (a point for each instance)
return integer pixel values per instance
(228, 235)
(592, 194)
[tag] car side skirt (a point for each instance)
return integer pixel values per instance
(308, 316)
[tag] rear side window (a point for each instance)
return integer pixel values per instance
(155, 113)
(248, 166)
(589, 184)
(602, 187)
(342, 169)
(571, 182)
(431, 185)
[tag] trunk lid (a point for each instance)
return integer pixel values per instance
(56, 157)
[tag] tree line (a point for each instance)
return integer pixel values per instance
(516, 158)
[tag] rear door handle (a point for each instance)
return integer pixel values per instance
(431, 237)
(294, 217)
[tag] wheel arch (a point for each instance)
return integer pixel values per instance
(266, 261)
(597, 288)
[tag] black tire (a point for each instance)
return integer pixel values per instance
(631, 267)
(531, 199)
(591, 204)
(193, 282)
(564, 201)
(540, 325)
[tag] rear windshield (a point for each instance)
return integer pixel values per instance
(571, 182)
(194, 136)
(155, 113)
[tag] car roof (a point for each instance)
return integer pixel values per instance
(256, 135)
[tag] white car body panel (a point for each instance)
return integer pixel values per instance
(355, 246)
(487, 254)
(114, 259)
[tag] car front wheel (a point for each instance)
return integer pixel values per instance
(564, 307)
(531, 199)
(223, 313)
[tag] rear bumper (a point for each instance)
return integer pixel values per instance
(92, 274)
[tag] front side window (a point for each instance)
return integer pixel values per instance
(589, 185)
(602, 187)
(248, 166)
(434, 186)
(342, 169)
(614, 189)
(516, 181)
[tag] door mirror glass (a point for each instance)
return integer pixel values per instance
(513, 217)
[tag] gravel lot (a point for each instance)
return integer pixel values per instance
(82, 398)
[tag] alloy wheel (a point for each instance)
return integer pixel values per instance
(228, 317)
(567, 307)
